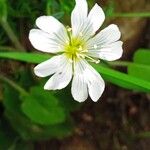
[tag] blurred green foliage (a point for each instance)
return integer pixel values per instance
(29, 113)
(141, 68)
(3, 10)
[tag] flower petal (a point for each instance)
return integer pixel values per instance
(79, 16)
(108, 35)
(49, 67)
(85, 80)
(45, 42)
(51, 25)
(95, 82)
(61, 78)
(79, 86)
(79, 13)
(109, 52)
(96, 17)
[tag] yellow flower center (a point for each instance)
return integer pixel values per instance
(75, 49)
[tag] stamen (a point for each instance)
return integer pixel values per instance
(80, 48)
(69, 29)
(78, 56)
(98, 61)
(82, 56)
(85, 50)
(92, 59)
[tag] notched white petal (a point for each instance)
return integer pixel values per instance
(112, 52)
(49, 24)
(61, 78)
(45, 42)
(107, 36)
(79, 86)
(109, 52)
(79, 16)
(48, 67)
(96, 17)
(80, 11)
(86, 80)
(95, 82)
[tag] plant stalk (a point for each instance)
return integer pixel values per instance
(13, 84)
(132, 15)
(12, 35)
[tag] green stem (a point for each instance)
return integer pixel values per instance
(137, 14)
(126, 64)
(12, 35)
(120, 63)
(13, 84)
(7, 48)
(48, 8)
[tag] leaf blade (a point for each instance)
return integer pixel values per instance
(25, 57)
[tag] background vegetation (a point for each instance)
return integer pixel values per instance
(31, 118)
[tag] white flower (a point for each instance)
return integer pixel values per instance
(75, 46)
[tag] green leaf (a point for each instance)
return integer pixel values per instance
(142, 56)
(122, 79)
(11, 100)
(139, 71)
(43, 108)
(141, 66)
(115, 77)
(21, 124)
(26, 128)
(25, 57)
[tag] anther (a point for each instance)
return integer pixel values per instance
(80, 48)
(95, 46)
(97, 62)
(69, 29)
(92, 60)
(85, 50)
(78, 56)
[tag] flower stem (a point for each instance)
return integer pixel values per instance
(12, 35)
(7, 48)
(120, 63)
(13, 84)
(136, 14)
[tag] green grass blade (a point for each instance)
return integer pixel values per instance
(113, 76)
